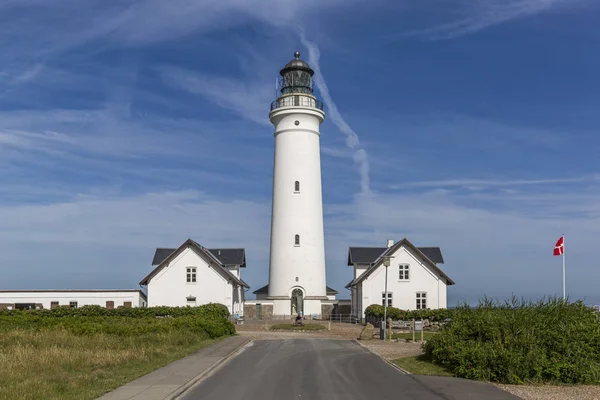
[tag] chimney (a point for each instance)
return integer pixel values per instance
(390, 243)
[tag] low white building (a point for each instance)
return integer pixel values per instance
(48, 299)
(194, 275)
(414, 279)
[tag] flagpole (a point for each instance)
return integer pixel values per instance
(563, 254)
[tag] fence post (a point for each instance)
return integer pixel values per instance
(422, 330)
(412, 328)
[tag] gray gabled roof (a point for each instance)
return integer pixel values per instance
(368, 255)
(404, 242)
(199, 250)
(225, 256)
(265, 290)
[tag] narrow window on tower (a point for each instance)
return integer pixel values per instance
(297, 187)
(297, 240)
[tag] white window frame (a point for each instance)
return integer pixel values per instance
(390, 298)
(191, 275)
(421, 300)
(73, 304)
(404, 272)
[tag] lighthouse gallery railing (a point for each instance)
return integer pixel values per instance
(297, 101)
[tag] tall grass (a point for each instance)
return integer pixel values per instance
(85, 354)
(58, 364)
(521, 341)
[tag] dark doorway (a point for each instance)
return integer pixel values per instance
(297, 302)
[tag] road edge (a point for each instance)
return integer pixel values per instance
(405, 372)
(177, 394)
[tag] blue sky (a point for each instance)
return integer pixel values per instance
(472, 126)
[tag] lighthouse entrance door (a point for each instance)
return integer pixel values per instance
(297, 302)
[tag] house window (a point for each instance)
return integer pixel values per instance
(190, 276)
(297, 187)
(127, 304)
(421, 300)
(73, 304)
(53, 304)
(403, 272)
(297, 240)
(110, 304)
(389, 299)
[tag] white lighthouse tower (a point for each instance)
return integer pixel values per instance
(297, 260)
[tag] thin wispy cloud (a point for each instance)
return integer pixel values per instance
(359, 156)
(482, 14)
(248, 98)
(489, 182)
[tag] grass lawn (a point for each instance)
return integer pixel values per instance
(408, 335)
(421, 365)
(306, 327)
(56, 364)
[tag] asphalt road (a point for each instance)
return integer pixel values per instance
(315, 369)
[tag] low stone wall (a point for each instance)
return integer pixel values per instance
(266, 312)
(326, 310)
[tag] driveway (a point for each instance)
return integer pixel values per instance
(327, 369)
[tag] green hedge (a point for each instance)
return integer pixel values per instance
(208, 321)
(518, 342)
(376, 311)
(212, 309)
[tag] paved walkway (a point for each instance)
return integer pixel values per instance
(327, 369)
(171, 380)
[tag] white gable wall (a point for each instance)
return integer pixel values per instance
(422, 279)
(170, 288)
(359, 269)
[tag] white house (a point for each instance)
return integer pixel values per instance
(414, 279)
(48, 299)
(194, 275)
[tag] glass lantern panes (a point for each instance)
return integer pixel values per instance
(296, 82)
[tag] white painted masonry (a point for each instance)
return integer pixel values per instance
(424, 275)
(297, 257)
(119, 298)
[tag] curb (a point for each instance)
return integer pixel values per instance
(405, 372)
(192, 382)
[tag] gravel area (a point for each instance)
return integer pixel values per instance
(548, 392)
(262, 330)
(392, 350)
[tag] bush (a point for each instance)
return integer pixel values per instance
(209, 321)
(213, 310)
(517, 342)
(376, 311)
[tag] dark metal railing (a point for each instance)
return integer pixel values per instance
(297, 101)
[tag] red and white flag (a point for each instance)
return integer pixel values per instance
(559, 248)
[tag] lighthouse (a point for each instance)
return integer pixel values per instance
(297, 255)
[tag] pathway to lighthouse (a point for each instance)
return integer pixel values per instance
(327, 369)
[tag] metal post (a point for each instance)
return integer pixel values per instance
(385, 306)
(564, 286)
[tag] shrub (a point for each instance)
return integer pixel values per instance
(209, 321)
(213, 310)
(376, 311)
(517, 341)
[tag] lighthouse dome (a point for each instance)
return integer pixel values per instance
(297, 65)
